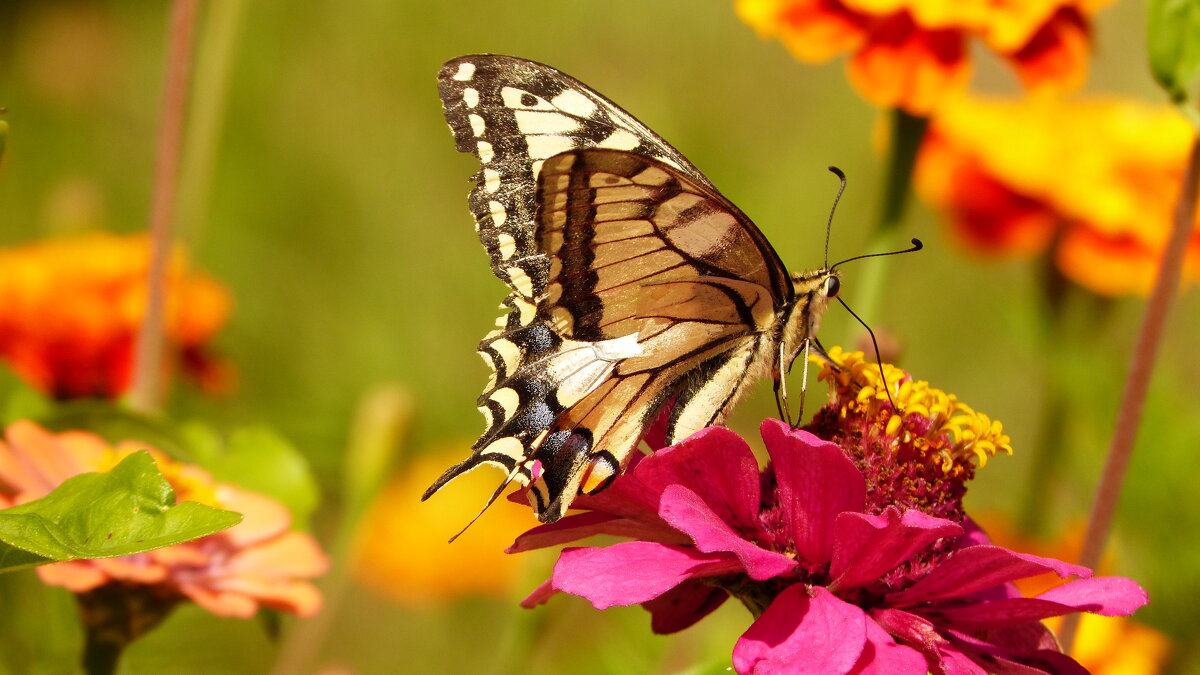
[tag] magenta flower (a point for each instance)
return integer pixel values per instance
(838, 581)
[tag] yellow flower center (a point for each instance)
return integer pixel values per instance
(947, 430)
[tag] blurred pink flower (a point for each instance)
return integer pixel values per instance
(260, 562)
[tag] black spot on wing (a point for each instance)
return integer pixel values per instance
(562, 454)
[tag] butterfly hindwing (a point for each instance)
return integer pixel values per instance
(657, 278)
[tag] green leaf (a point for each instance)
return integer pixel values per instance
(3, 137)
(257, 458)
(128, 510)
(1173, 39)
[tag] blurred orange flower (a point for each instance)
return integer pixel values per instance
(258, 563)
(908, 53)
(1096, 179)
(70, 309)
(1104, 645)
(402, 550)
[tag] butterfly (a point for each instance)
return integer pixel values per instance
(634, 284)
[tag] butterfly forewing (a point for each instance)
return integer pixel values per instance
(514, 114)
(635, 284)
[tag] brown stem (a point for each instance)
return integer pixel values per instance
(1141, 367)
(148, 382)
(113, 616)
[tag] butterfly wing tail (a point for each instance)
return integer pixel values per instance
(466, 466)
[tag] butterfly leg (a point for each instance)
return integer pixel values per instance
(803, 382)
(781, 401)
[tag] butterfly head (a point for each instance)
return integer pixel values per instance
(831, 286)
(813, 293)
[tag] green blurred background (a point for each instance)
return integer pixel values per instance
(335, 211)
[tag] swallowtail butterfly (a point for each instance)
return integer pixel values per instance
(634, 283)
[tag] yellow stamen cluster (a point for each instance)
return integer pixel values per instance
(927, 418)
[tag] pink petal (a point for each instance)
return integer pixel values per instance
(683, 606)
(975, 568)
(292, 554)
(970, 654)
(998, 614)
(222, 603)
(656, 433)
(1031, 636)
(687, 512)
(799, 634)
(1044, 662)
(914, 631)
(716, 464)
(883, 656)
(973, 534)
(576, 526)
(627, 497)
(263, 517)
(539, 595)
(867, 547)
(816, 482)
(633, 572)
(1108, 596)
(77, 576)
(954, 662)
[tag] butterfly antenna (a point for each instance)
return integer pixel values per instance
(829, 225)
(820, 351)
(916, 246)
(878, 359)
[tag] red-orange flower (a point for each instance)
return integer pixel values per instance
(1097, 179)
(909, 53)
(70, 309)
(257, 563)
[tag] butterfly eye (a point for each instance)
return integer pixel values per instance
(832, 286)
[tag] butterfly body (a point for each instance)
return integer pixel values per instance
(634, 283)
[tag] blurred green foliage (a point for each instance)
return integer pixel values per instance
(336, 213)
(1173, 36)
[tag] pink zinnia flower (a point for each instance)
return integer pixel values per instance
(843, 566)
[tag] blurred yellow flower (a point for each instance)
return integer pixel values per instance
(1098, 178)
(909, 53)
(259, 562)
(70, 309)
(402, 550)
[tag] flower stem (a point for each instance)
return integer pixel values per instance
(113, 616)
(215, 54)
(907, 132)
(100, 657)
(1129, 414)
(148, 382)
